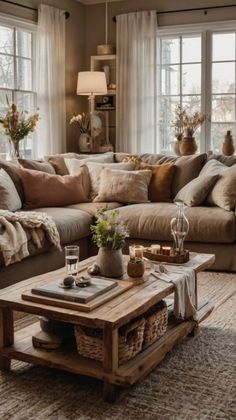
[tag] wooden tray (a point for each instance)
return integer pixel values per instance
(176, 259)
(84, 307)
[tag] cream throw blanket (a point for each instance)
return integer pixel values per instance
(184, 279)
(13, 236)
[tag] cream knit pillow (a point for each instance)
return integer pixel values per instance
(124, 186)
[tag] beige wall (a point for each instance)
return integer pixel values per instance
(95, 17)
(75, 53)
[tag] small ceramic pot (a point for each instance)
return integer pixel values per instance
(110, 262)
(135, 268)
(228, 148)
(188, 146)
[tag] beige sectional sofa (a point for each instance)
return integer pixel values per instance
(212, 229)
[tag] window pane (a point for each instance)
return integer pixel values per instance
(6, 71)
(223, 77)
(191, 78)
(167, 109)
(191, 49)
(25, 101)
(23, 43)
(223, 47)
(6, 40)
(24, 76)
(167, 136)
(4, 94)
(191, 103)
(170, 50)
(218, 131)
(223, 108)
(171, 80)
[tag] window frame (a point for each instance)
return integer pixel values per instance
(22, 24)
(206, 30)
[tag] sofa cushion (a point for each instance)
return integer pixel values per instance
(9, 197)
(124, 186)
(37, 166)
(61, 168)
(159, 189)
(12, 168)
(42, 189)
(152, 221)
(92, 208)
(72, 224)
(195, 192)
(223, 193)
(226, 160)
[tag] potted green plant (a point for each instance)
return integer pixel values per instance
(109, 233)
(16, 126)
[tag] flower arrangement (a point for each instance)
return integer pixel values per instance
(17, 125)
(109, 230)
(83, 122)
(186, 125)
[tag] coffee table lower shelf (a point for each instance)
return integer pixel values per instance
(67, 358)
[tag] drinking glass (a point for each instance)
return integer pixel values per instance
(136, 252)
(72, 259)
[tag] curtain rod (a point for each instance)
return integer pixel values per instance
(191, 10)
(67, 14)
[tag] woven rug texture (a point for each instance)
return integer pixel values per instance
(197, 379)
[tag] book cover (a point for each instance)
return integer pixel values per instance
(96, 288)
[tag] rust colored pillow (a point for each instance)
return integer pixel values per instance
(45, 190)
(159, 189)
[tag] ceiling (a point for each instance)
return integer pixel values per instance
(87, 2)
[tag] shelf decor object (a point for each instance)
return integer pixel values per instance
(91, 84)
(179, 228)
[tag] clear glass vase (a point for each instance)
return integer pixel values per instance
(179, 228)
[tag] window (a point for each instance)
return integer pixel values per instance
(198, 71)
(16, 77)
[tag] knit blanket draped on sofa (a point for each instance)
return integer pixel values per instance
(16, 230)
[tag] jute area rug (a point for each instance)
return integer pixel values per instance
(197, 380)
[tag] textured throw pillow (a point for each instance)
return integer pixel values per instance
(159, 189)
(46, 190)
(226, 160)
(223, 193)
(196, 191)
(95, 170)
(58, 161)
(187, 168)
(9, 197)
(124, 186)
(13, 171)
(37, 166)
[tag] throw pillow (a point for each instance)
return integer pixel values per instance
(9, 197)
(196, 191)
(187, 168)
(95, 170)
(37, 166)
(13, 171)
(58, 161)
(124, 186)
(159, 189)
(223, 193)
(226, 160)
(46, 190)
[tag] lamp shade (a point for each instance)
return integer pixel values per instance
(91, 83)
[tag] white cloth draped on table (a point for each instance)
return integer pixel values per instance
(137, 82)
(50, 81)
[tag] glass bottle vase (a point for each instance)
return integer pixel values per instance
(179, 228)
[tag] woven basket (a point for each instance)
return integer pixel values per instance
(90, 341)
(156, 323)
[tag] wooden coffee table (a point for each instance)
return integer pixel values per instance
(109, 317)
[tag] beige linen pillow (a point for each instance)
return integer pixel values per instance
(226, 160)
(224, 192)
(196, 191)
(124, 186)
(37, 166)
(187, 168)
(58, 161)
(95, 170)
(12, 169)
(9, 197)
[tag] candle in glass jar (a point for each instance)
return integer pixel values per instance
(155, 249)
(136, 252)
(166, 250)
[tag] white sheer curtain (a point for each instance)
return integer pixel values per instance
(136, 82)
(50, 81)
